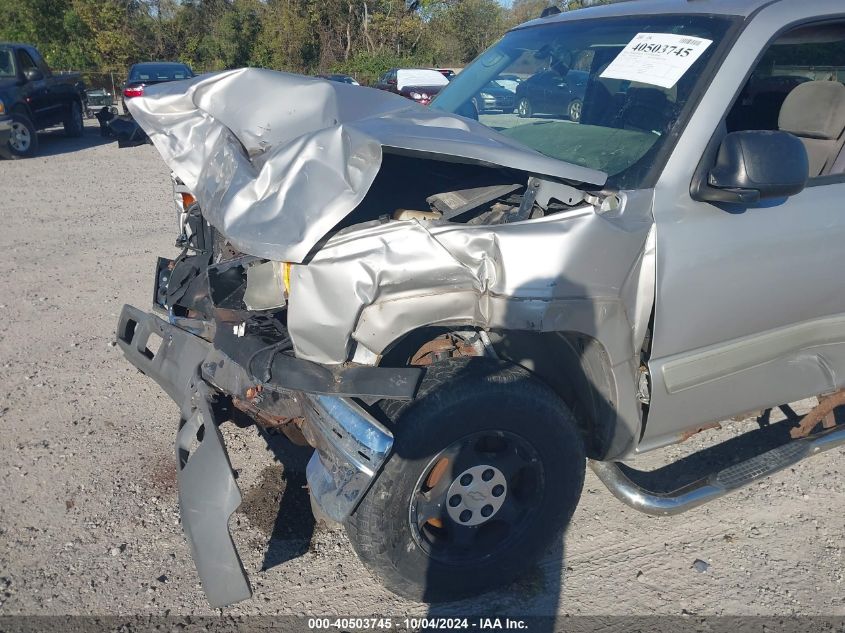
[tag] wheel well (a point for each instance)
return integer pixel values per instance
(21, 108)
(578, 369)
(574, 365)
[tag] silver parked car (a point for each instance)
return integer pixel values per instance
(460, 315)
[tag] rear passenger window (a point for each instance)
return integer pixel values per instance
(799, 87)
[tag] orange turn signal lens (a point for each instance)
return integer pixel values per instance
(187, 200)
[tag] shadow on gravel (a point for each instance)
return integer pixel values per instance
(279, 506)
(534, 596)
(715, 458)
(54, 142)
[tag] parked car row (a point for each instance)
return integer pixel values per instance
(548, 92)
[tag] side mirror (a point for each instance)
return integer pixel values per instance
(391, 82)
(33, 74)
(755, 165)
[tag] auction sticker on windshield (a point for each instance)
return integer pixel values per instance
(660, 59)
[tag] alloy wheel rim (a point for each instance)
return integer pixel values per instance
(575, 111)
(476, 497)
(20, 137)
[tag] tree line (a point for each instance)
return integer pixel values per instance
(362, 38)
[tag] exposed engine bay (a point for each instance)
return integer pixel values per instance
(327, 232)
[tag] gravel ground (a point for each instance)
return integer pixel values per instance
(89, 520)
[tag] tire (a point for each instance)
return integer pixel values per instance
(74, 124)
(497, 415)
(23, 141)
(574, 111)
(523, 108)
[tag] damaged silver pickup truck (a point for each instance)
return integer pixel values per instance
(459, 310)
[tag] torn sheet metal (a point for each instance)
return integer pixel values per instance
(277, 160)
(578, 270)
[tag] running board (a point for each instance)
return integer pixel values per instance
(716, 484)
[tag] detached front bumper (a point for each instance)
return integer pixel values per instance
(351, 446)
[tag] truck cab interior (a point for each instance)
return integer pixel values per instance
(797, 87)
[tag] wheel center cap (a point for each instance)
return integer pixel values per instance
(476, 495)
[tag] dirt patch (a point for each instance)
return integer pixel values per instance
(532, 582)
(279, 506)
(163, 474)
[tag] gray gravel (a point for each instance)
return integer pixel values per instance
(89, 521)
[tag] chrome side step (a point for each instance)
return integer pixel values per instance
(716, 484)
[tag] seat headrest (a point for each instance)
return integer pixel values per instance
(815, 109)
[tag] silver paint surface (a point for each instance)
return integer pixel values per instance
(277, 160)
(749, 302)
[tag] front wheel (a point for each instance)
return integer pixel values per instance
(523, 108)
(73, 124)
(575, 108)
(487, 469)
(23, 140)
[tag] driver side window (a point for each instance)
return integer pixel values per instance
(25, 62)
(799, 87)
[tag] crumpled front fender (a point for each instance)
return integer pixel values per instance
(578, 271)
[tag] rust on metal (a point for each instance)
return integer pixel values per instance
(293, 431)
(823, 413)
(430, 352)
(706, 427)
(251, 393)
(446, 346)
(436, 473)
(291, 427)
(434, 477)
(263, 417)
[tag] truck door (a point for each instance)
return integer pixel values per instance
(750, 300)
(36, 91)
(60, 90)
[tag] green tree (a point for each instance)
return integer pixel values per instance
(465, 28)
(116, 30)
(285, 40)
(361, 37)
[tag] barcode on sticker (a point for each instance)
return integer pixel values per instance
(690, 40)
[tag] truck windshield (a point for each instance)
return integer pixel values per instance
(601, 93)
(7, 69)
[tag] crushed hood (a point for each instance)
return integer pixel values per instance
(277, 160)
